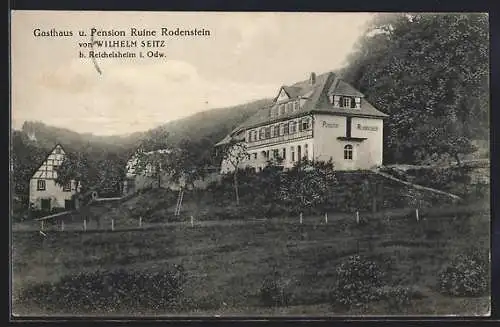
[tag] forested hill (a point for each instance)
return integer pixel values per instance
(210, 126)
(430, 73)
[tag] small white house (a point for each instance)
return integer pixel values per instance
(45, 194)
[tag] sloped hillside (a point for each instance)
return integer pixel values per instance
(212, 124)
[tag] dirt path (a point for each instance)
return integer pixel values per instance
(416, 186)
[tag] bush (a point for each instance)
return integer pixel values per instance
(116, 291)
(273, 291)
(358, 281)
(398, 297)
(466, 276)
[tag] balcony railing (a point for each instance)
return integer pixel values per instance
(280, 139)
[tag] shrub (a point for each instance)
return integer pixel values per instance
(466, 276)
(398, 297)
(273, 291)
(358, 281)
(116, 291)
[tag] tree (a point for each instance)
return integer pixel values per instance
(307, 184)
(154, 164)
(78, 167)
(235, 153)
(25, 159)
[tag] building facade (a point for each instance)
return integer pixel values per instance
(45, 193)
(320, 118)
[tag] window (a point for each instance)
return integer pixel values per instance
(264, 154)
(249, 137)
(296, 106)
(262, 133)
(40, 185)
(282, 129)
(67, 187)
(255, 155)
(299, 153)
(282, 109)
(293, 127)
(346, 102)
(292, 151)
(358, 103)
(284, 154)
(348, 152)
(304, 124)
(268, 132)
(276, 154)
(306, 151)
(276, 130)
(58, 150)
(286, 128)
(289, 107)
(348, 127)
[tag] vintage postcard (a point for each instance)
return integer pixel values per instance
(203, 164)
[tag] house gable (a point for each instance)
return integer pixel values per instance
(282, 95)
(47, 169)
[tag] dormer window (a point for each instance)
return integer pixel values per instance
(282, 109)
(358, 103)
(296, 106)
(346, 102)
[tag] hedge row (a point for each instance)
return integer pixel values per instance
(108, 292)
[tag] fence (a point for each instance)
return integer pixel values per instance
(416, 215)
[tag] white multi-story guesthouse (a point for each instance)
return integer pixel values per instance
(45, 194)
(321, 118)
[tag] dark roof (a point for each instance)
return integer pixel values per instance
(317, 101)
(343, 88)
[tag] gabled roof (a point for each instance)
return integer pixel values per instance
(343, 88)
(44, 174)
(317, 101)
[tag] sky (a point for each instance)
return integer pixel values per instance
(247, 56)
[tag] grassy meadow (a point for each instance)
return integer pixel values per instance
(226, 262)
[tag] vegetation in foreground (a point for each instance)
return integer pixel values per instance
(273, 267)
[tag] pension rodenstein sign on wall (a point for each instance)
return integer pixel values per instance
(122, 43)
(329, 125)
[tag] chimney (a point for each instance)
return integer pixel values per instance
(312, 79)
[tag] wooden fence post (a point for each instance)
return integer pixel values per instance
(416, 214)
(85, 224)
(41, 225)
(357, 217)
(112, 224)
(300, 218)
(326, 217)
(192, 221)
(140, 221)
(62, 225)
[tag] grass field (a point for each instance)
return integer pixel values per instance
(227, 262)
